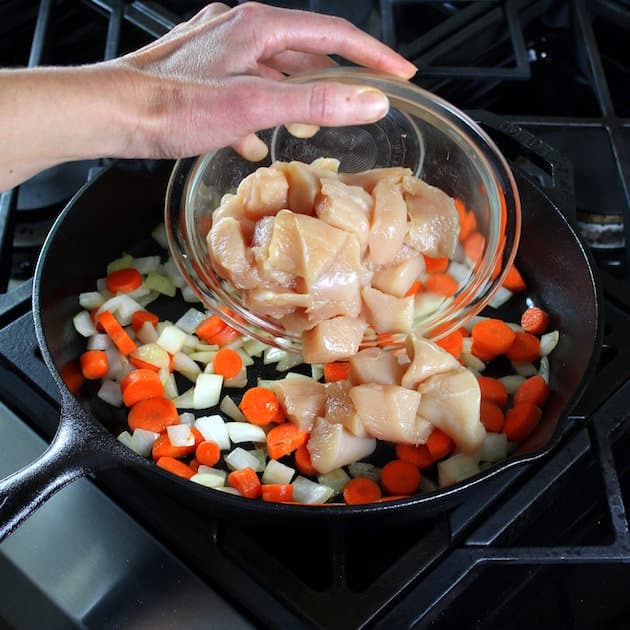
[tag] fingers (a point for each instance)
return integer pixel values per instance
(292, 62)
(251, 147)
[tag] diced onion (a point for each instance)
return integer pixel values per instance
(100, 341)
(291, 360)
(207, 391)
(335, 479)
(472, 362)
(91, 300)
(238, 381)
(101, 287)
(180, 435)
(459, 272)
(188, 295)
(187, 417)
(170, 385)
(426, 303)
(543, 369)
(239, 458)
(143, 441)
(245, 432)
(208, 470)
(159, 234)
(190, 320)
(512, 382)
(183, 363)
(125, 438)
(207, 356)
(307, 491)
(147, 333)
(171, 270)
(145, 300)
(524, 368)
(456, 468)
(500, 297)
(363, 469)
(231, 410)
(124, 262)
(213, 428)
(122, 307)
(277, 472)
(210, 480)
(114, 364)
(229, 490)
(548, 342)
(467, 343)
(254, 348)
(273, 355)
(161, 284)
(317, 371)
(171, 339)
(153, 354)
(83, 324)
(185, 400)
(494, 448)
(110, 393)
(146, 264)
(261, 458)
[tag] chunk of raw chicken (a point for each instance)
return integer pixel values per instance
(433, 219)
(340, 409)
(387, 313)
(450, 401)
(369, 179)
(346, 207)
(304, 182)
(427, 359)
(302, 398)
(264, 192)
(276, 304)
(331, 446)
(374, 365)
(333, 339)
(389, 412)
(397, 279)
(270, 277)
(232, 206)
(389, 222)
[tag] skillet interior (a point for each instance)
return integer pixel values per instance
(117, 212)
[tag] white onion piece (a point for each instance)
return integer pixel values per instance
(145, 300)
(188, 295)
(494, 448)
(190, 320)
(183, 363)
(273, 355)
(213, 428)
(456, 468)
(543, 369)
(185, 400)
(190, 344)
(207, 391)
(426, 303)
(472, 362)
(245, 358)
(110, 393)
(143, 441)
(83, 324)
(187, 417)
(159, 234)
(236, 344)
(131, 332)
(467, 343)
(172, 272)
(363, 469)
(125, 308)
(291, 360)
(548, 342)
(500, 297)
(101, 287)
(512, 382)
(207, 356)
(153, 354)
(206, 347)
(170, 386)
(307, 491)
(245, 432)
(335, 479)
(229, 490)
(460, 272)
(125, 438)
(161, 325)
(238, 381)
(277, 472)
(114, 364)
(91, 300)
(147, 333)
(124, 262)
(254, 348)
(146, 264)
(239, 458)
(317, 371)
(524, 368)
(261, 458)
(209, 470)
(231, 410)
(180, 435)
(161, 284)
(192, 377)
(171, 339)
(209, 369)
(210, 480)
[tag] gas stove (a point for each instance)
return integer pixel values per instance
(545, 544)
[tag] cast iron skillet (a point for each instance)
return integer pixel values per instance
(116, 212)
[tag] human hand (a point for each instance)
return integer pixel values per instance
(216, 79)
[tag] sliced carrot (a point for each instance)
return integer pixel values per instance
(123, 280)
(246, 482)
(401, 478)
(526, 347)
(436, 265)
(467, 220)
(361, 490)
(474, 245)
(439, 444)
(492, 336)
(452, 343)
(225, 336)
(415, 288)
(513, 280)
(72, 375)
(140, 385)
(303, 461)
(384, 339)
(417, 455)
(175, 466)
(534, 320)
(284, 439)
(194, 465)
(208, 453)
(337, 371)
(153, 414)
(227, 362)
(492, 390)
(534, 390)
(94, 364)
(442, 283)
(116, 332)
(481, 353)
(521, 420)
(261, 406)
(139, 317)
(464, 332)
(142, 365)
(491, 416)
(210, 327)
(162, 447)
(95, 321)
(277, 492)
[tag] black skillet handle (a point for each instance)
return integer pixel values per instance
(79, 447)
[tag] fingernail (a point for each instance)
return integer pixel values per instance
(371, 104)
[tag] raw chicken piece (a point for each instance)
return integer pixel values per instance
(450, 401)
(229, 254)
(332, 447)
(389, 222)
(297, 322)
(374, 365)
(303, 245)
(270, 277)
(434, 223)
(386, 313)
(264, 192)
(232, 206)
(276, 304)
(340, 409)
(427, 359)
(388, 412)
(346, 207)
(397, 279)
(302, 398)
(304, 184)
(369, 179)
(333, 339)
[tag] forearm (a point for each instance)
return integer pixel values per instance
(54, 115)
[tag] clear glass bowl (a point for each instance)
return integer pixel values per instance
(438, 142)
